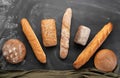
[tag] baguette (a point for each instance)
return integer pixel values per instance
(65, 33)
(97, 41)
(29, 33)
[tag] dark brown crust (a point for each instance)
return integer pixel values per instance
(14, 51)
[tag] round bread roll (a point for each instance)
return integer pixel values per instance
(105, 60)
(14, 51)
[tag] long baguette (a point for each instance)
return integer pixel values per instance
(29, 33)
(97, 41)
(65, 33)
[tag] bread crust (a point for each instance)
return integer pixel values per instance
(105, 60)
(65, 33)
(82, 35)
(91, 48)
(49, 34)
(14, 51)
(30, 35)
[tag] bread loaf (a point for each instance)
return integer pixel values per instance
(91, 48)
(65, 33)
(49, 34)
(30, 35)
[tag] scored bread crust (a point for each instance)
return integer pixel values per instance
(29, 33)
(91, 48)
(65, 33)
(14, 51)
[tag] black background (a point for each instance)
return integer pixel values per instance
(92, 13)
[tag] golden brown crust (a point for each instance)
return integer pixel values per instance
(96, 42)
(29, 33)
(49, 36)
(105, 60)
(65, 33)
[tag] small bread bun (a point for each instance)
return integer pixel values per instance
(82, 35)
(14, 51)
(105, 60)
